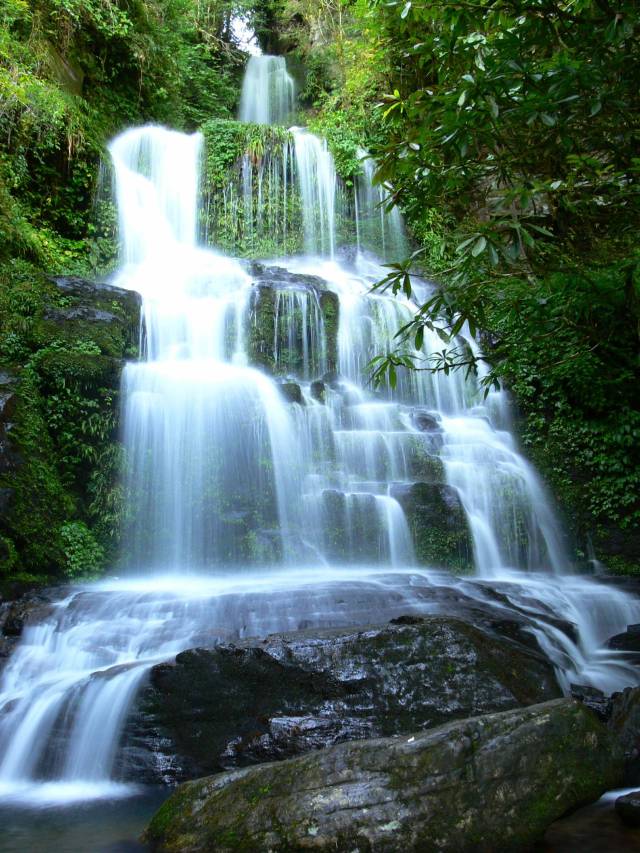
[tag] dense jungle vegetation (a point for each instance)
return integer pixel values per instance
(508, 131)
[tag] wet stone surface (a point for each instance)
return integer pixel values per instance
(261, 701)
(487, 784)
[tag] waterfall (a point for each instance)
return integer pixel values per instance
(377, 228)
(316, 175)
(267, 91)
(268, 486)
(199, 423)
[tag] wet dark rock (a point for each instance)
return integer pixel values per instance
(426, 421)
(26, 607)
(30, 606)
(111, 313)
(261, 337)
(487, 784)
(82, 288)
(279, 277)
(318, 391)
(251, 702)
(628, 807)
(292, 392)
(594, 699)
(628, 641)
(438, 525)
(624, 721)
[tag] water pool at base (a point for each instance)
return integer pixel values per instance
(95, 826)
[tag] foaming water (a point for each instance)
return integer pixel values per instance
(47, 794)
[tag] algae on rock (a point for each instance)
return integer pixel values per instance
(488, 784)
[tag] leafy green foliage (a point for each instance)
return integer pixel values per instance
(66, 377)
(83, 556)
(74, 73)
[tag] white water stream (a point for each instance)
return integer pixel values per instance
(251, 514)
(267, 91)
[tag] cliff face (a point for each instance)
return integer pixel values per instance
(63, 343)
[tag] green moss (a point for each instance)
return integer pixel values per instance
(438, 527)
(330, 307)
(261, 328)
(272, 225)
(65, 348)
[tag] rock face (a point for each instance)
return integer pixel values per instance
(491, 784)
(111, 314)
(56, 415)
(30, 606)
(624, 721)
(277, 347)
(438, 525)
(247, 703)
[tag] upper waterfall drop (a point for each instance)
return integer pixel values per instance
(316, 177)
(156, 181)
(268, 91)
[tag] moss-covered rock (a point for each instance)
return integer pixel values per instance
(438, 525)
(59, 450)
(490, 784)
(107, 315)
(280, 350)
(291, 392)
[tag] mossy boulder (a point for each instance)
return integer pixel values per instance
(438, 525)
(107, 315)
(59, 449)
(489, 784)
(266, 347)
(252, 702)
(291, 392)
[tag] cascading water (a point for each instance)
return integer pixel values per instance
(306, 476)
(267, 91)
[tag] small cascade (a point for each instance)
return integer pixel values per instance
(316, 177)
(267, 91)
(299, 338)
(378, 229)
(199, 423)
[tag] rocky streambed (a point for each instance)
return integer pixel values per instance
(426, 731)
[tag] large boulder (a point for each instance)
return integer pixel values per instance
(252, 702)
(490, 784)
